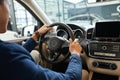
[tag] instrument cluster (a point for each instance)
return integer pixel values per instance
(78, 33)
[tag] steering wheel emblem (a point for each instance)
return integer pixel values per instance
(53, 43)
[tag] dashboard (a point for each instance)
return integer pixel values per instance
(102, 44)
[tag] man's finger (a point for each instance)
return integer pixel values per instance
(70, 40)
(49, 28)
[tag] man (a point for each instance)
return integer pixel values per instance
(17, 64)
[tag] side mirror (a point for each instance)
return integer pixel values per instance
(28, 31)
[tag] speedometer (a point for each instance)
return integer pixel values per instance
(78, 34)
(62, 33)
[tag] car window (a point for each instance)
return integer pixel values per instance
(23, 18)
(75, 11)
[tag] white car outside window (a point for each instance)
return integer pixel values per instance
(88, 20)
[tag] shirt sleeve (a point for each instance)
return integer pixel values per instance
(25, 69)
(30, 44)
(74, 69)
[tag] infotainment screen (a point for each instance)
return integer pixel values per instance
(107, 30)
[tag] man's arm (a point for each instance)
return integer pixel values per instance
(30, 44)
(73, 72)
(23, 68)
(74, 69)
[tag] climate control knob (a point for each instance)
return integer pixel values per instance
(95, 64)
(113, 66)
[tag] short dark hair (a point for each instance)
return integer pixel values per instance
(1, 1)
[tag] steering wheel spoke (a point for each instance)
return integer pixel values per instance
(65, 44)
(54, 56)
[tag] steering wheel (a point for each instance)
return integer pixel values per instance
(51, 47)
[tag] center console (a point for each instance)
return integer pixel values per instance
(104, 50)
(106, 41)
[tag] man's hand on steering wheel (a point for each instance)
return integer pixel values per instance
(41, 31)
(44, 29)
(75, 47)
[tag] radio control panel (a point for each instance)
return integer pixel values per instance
(106, 50)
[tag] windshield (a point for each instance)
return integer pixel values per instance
(81, 12)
